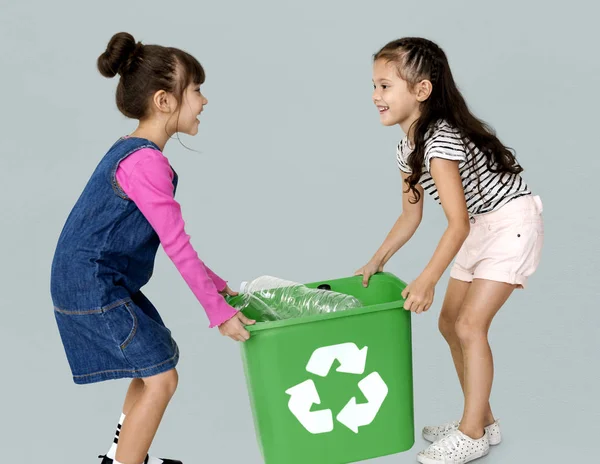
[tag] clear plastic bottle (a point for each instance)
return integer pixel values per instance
(282, 299)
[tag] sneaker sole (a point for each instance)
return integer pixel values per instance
(424, 460)
(431, 438)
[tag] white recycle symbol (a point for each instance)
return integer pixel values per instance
(353, 415)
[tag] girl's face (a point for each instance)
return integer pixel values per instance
(392, 96)
(192, 104)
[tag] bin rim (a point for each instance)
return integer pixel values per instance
(396, 304)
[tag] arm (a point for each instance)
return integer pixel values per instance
(218, 281)
(404, 228)
(449, 186)
(401, 232)
(127, 166)
(149, 183)
(448, 183)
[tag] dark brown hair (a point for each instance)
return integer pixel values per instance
(146, 69)
(417, 59)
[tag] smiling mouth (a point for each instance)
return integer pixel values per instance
(382, 109)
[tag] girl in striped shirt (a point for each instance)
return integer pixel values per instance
(494, 234)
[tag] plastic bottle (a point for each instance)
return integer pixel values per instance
(282, 299)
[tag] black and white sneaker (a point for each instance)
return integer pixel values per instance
(107, 460)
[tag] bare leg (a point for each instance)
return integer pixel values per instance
(144, 416)
(482, 302)
(453, 301)
(136, 387)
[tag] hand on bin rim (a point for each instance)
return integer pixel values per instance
(419, 295)
(228, 292)
(368, 270)
(234, 327)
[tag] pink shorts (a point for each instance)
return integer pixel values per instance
(504, 245)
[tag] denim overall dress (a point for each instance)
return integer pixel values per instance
(104, 256)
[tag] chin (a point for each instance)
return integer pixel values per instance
(389, 123)
(191, 131)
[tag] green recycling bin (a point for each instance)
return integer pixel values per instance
(334, 388)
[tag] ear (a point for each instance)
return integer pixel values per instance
(424, 89)
(163, 101)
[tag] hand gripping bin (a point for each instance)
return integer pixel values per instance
(334, 388)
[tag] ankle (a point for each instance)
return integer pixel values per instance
(473, 432)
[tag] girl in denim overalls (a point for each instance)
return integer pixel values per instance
(106, 251)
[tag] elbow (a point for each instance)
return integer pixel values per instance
(412, 218)
(460, 228)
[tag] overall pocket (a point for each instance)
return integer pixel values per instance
(122, 324)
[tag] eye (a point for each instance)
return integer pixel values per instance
(384, 86)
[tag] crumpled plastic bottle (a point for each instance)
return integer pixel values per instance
(276, 299)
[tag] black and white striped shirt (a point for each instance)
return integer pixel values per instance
(445, 142)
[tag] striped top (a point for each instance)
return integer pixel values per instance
(495, 189)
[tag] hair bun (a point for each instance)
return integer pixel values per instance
(118, 54)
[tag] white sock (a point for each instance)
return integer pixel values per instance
(113, 449)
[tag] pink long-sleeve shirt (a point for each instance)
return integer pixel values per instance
(146, 178)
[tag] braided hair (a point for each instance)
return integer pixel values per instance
(419, 59)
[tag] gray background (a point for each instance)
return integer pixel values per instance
(290, 127)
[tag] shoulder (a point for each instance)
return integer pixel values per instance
(146, 159)
(402, 152)
(442, 132)
(148, 155)
(402, 148)
(445, 142)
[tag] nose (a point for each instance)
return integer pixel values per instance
(375, 96)
(205, 101)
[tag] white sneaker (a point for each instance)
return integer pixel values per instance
(455, 448)
(434, 433)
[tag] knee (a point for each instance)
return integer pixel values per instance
(468, 330)
(164, 384)
(446, 325)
